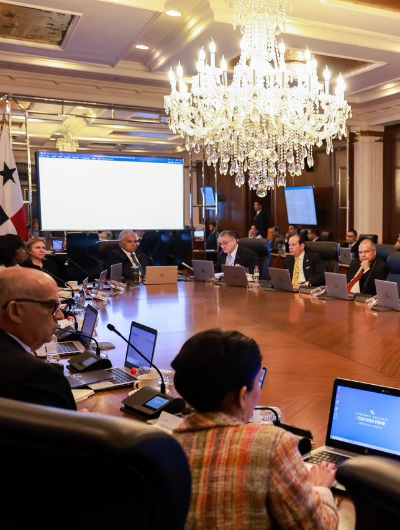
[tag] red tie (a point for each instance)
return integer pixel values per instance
(356, 279)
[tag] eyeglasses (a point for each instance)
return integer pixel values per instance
(224, 243)
(364, 251)
(55, 306)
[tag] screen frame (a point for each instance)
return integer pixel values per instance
(292, 221)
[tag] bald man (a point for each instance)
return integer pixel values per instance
(29, 311)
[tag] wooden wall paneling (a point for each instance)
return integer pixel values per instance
(391, 184)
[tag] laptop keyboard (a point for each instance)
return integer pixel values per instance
(66, 347)
(120, 376)
(326, 456)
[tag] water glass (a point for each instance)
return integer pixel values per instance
(79, 315)
(51, 348)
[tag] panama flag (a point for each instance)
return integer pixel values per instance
(12, 210)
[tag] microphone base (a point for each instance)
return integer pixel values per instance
(88, 361)
(148, 403)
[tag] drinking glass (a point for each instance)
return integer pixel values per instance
(51, 348)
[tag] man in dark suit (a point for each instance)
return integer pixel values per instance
(127, 255)
(364, 271)
(260, 220)
(212, 238)
(305, 267)
(232, 254)
(29, 311)
(352, 242)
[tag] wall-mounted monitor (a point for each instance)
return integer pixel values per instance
(86, 192)
(300, 205)
(208, 196)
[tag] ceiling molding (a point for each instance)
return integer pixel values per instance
(153, 5)
(359, 8)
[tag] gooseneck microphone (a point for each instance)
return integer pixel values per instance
(82, 269)
(101, 262)
(112, 328)
(80, 334)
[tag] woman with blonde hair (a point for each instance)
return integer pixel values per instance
(36, 253)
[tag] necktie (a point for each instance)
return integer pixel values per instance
(356, 279)
(229, 260)
(136, 262)
(296, 273)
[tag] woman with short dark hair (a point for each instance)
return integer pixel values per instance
(12, 250)
(244, 476)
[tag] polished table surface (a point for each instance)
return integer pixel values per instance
(306, 343)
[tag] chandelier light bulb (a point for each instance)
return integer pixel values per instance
(266, 122)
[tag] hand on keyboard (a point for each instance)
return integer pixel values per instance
(323, 474)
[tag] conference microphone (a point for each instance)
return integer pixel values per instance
(101, 262)
(82, 269)
(87, 361)
(112, 328)
(187, 266)
(64, 283)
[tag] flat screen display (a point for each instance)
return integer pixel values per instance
(209, 197)
(300, 205)
(87, 192)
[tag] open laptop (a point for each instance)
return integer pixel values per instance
(203, 270)
(388, 295)
(345, 255)
(235, 276)
(101, 285)
(57, 245)
(161, 275)
(116, 272)
(364, 419)
(336, 286)
(144, 338)
(281, 280)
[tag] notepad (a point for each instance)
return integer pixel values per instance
(81, 393)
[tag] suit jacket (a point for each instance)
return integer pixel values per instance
(260, 221)
(118, 256)
(48, 266)
(377, 271)
(244, 256)
(313, 268)
(212, 240)
(24, 377)
(354, 248)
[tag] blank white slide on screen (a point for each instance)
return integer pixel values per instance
(94, 192)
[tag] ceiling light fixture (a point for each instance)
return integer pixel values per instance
(173, 13)
(267, 121)
(142, 47)
(67, 143)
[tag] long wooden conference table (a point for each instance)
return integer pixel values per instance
(306, 343)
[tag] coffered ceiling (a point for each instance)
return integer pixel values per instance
(84, 52)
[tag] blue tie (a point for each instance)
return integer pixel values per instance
(136, 262)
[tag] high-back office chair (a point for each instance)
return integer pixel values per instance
(304, 234)
(80, 247)
(326, 236)
(373, 483)
(183, 249)
(393, 263)
(328, 252)
(383, 251)
(102, 250)
(372, 237)
(62, 469)
(262, 248)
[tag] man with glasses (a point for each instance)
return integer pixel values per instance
(364, 271)
(232, 254)
(352, 242)
(127, 255)
(29, 313)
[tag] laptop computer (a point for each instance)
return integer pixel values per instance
(235, 276)
(203, 270)
(336, 287)
(57, 245)
(388, 295)
(364, 419)
(345, 255)
(161, 275)
(81, 343)
(144, 338)
(281, 280)
(116, 272)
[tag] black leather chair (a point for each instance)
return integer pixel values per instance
(63, 469)
(326, 236)
(383, 251)
(373, 484)
(328, 252)
(260, 247)
(393, 263)
(102, 250)
(372, 237)
(304, 233)
(80, 247)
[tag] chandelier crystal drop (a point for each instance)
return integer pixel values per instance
(266, 122)
(67, 143)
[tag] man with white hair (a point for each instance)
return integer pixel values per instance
(127, 254)
(29, 313)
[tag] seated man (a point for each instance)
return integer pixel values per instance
(352, 242)
(29, 311)
(232, 254)
(277, 238)
(293, 230)
(313, 234)
(306, 268)
(127, 255)
(364, 271)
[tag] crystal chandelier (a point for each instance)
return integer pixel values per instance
(267, 121)
(67, 143)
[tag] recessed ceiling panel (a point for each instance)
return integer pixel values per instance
(29, 24)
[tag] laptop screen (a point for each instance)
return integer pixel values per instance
(88, 325)
(366, 416)
(57, 244)
(102, 280)
(144, 339)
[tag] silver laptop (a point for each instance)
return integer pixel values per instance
(345, 255)
(364, 419)
(144, 339)
(281, 280)
(203, 270)
(102, 281)
(116, 272)
(388, 295)
(336, 286)
(234, 275)
(81, 344)
(161, 275)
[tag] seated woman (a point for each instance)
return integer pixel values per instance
(36, 250)
(244, 476)
(12, 250)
